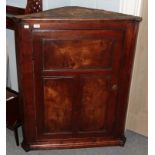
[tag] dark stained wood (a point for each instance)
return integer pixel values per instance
(89, 54)
(93, 106)
(58, 102)
(10, 11)
(27, 91)
(74, 76)
(14, 10)
(94, 51)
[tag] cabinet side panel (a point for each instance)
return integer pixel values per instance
(125, 75)
(26, 81)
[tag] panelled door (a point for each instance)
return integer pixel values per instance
(76, 81)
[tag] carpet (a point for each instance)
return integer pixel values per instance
(136, 144)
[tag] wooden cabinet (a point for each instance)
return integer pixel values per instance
(74, 68)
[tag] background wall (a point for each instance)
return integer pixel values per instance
(137, 112)
(113, 5)
(47, 4)
(10, 41)
(17, 3)
(137, 119)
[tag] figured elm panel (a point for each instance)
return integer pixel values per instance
(77, 54)
(94, 103)
(58, 98)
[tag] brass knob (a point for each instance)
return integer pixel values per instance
(114, 87)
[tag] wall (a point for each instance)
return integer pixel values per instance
(137, 119)
(17, 3)
(48, 4)
(10, 40)
(100, 4)
(132, 7)
(104, 4)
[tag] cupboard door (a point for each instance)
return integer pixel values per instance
(74, 72)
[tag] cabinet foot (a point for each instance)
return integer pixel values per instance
(26, 146)
(123, 140)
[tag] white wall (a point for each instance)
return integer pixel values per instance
(133, 7)
(48, 4)
(10, 42)
(112, 5)
(137, 119)
(17, 3)
(84, 3)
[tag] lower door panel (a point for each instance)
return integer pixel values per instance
(74, 106)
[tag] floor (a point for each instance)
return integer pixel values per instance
(135, 145)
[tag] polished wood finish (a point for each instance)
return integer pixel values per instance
(14, 10)
(10, 11)
(74, 72)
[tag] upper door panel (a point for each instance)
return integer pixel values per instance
(78, 50)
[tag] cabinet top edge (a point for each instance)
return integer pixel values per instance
(75, 13)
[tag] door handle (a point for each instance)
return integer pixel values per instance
(114, 87)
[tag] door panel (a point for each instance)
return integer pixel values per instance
(77, 54)
(94, 100)
(58, 100)
(78, 50)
